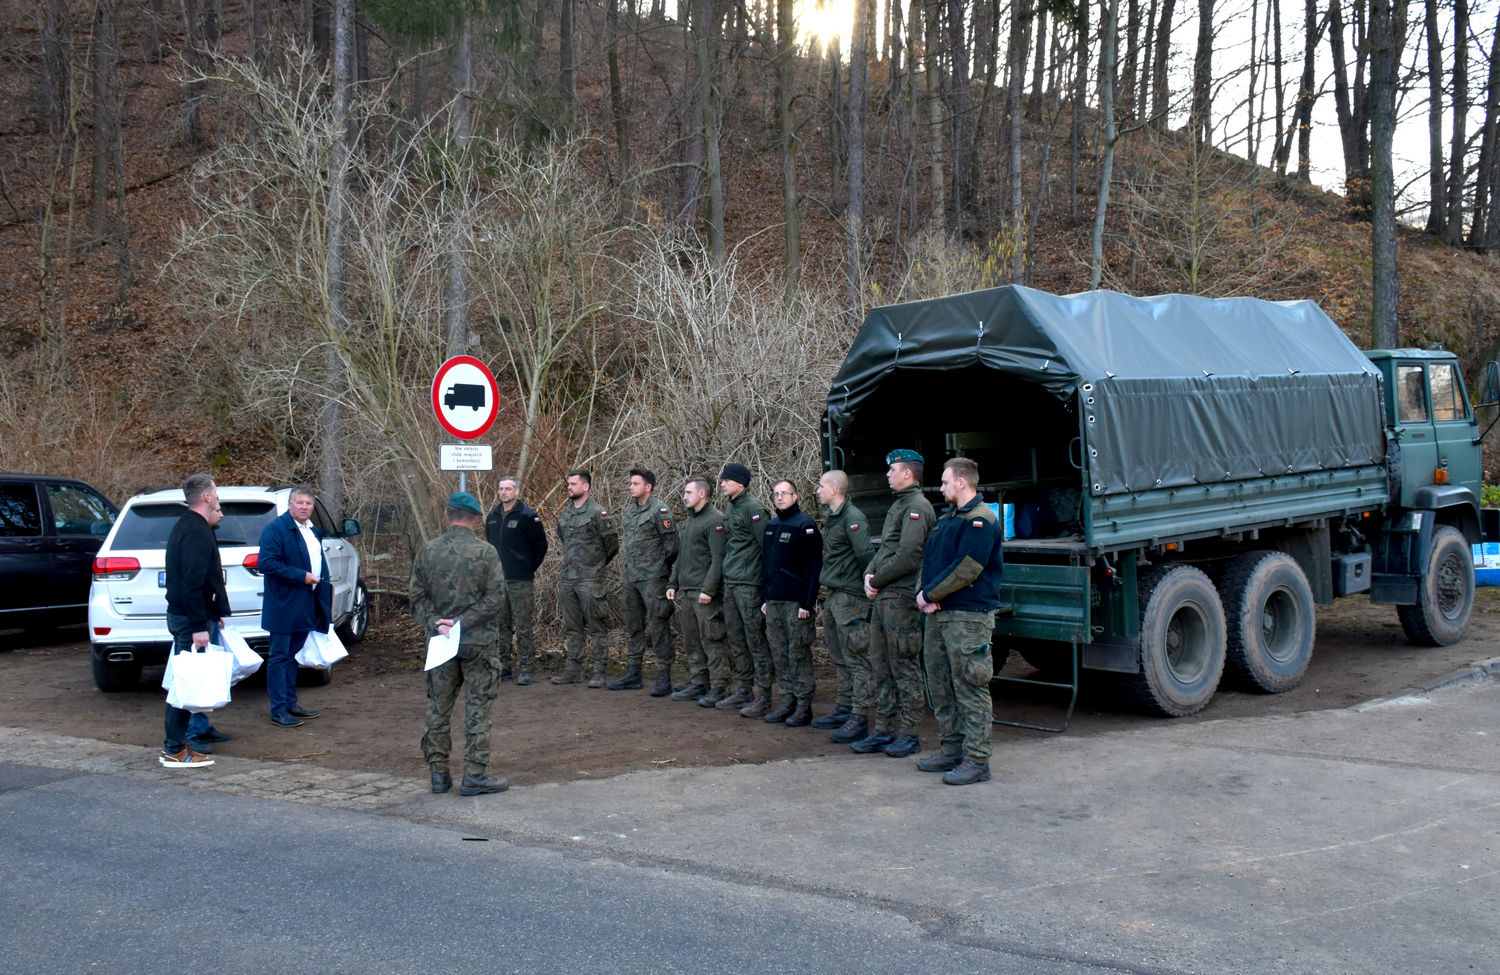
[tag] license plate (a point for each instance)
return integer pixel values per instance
(161, 579)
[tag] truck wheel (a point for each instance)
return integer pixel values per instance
(1181, 642)
(1445, 595)
(1270, 620)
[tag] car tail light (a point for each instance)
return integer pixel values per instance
(115, 568)
(102, 630)
(252, 563)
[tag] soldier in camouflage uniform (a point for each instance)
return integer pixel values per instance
(895, 635)
(792, 557)
(744, 520)
(846, 610)
(647, 556)
(456, 578)
(589, 540)
(697, 578)
(961, 573)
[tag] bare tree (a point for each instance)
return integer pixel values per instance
(1456, 170)
(1437, 209)
(786, 126)
(1387, 38)
(854, 213)
(1108, 34)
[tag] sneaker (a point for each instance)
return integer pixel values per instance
(689, 693)
(873, 742)
(903, 746)
(941, 762)
(850, 731)
(833, 718)
(967, 774)
(187, 758)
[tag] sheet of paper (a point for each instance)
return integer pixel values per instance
(441, 649)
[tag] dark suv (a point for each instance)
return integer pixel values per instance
(50, 528)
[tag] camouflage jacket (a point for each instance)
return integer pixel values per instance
(846, 549)
(745, 521)
(650, 544)
(589, 540)
(898, 561)
(700, 564)
(457, 576)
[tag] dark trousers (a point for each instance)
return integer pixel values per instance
(281, 670)
(178, 720)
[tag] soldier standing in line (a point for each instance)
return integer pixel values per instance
(793, 557)
(744, 519)
(846, 610)
(697, 577)
(518, 536)
(648, 552)
(588, 538)
(456, 578)
(895, 635)
(961, 572)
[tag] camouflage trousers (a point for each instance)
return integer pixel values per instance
(515, 622)
(846, 631)
(477, 669)
(584, 607)
(647, 614)
(956, 651)
(749, 655)
(896, 663)
(703, 639)
(791, 639)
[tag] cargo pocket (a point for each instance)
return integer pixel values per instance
(661, 606)
(857, 637)
(714, 628)
(976, 667)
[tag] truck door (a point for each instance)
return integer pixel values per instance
(1453, 424)
(1414, 429)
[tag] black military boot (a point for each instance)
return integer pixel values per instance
(481, 784)
(712, 698)
(663, 685)
(441, 781)
(689, 692)
(968, 773)
(875, 741)
(780, 715)
(802, 716)
(941, 762)
(757, 708)
(628, 681)
(903, 746)
(833, 718)
(737, 700)
(850, 731)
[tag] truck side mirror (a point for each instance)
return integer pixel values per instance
(1491, 386)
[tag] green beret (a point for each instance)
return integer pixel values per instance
(896, 456)
(464, 501)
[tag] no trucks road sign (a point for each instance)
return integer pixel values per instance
(465, 397)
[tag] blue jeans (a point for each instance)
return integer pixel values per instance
(184, 726)
(281, 670)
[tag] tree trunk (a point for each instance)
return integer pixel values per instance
(963, 157)
(854, 213)
(1015, 75)
(1437, 209)
(1456, 168)
(1108, 32)
(331, 467)
(786, 125)
(567, 71)
(1200, 122)
(1275, 29)
(192, 125)
(713, 120)
(105, 76)
(1307, 92)
(52, 99)
(1038, 94)
(457, 306)
(1080, 93)
(1160, 93)
(934, 84)
(1353, 106)
(256, 15)
(1127, 95)
(1482, 230)
(153, 50)
(617, 88)
(690, 186)
(1387, 37)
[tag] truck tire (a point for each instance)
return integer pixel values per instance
(1445, 593)
(1181, 642)
(1270, 621)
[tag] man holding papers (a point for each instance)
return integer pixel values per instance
(458, 590)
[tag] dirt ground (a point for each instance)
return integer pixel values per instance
(372, 711)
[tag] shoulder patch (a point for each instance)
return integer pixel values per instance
(854, 528)
(755, 517)
(810, 530)
(916, 514)
(978, 523)
(718, 528)
(663, 510)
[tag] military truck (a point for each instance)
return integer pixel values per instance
(1189, 476)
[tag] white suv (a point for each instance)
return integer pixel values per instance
(128, 598)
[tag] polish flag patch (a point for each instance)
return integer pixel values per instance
(755, 517)
(916, 514)
(811, 530)
(978, 524)
(854, 528)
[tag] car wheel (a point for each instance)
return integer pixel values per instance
(112, 678)
(353, 629)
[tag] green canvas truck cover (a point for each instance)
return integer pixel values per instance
(1170, 390)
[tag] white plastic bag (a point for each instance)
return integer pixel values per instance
(198, 680)
(321, 650)
(246, 660)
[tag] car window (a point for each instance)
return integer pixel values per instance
(244, 521)
(323, 521)
(1410, 394)
(79, 511)
(1447, 402)
(150, 525)
(19, 515)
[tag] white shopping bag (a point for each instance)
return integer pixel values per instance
(321, 650)
(198, 680)
(246, 660)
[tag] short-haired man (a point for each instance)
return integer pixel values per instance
(456, 579)
(961, 572)
(648, 551)
(846, 609)
(792, 557)
(297, 599)
(589, 541)
(697, 578)
(518, 536)
(744, 520)
(196, 600)
(895, 636)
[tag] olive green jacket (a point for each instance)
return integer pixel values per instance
(700, 563)
(897, 564)
(846, 549)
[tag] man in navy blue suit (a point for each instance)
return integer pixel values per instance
(297, 601)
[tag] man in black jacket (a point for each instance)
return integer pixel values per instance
(518, 536)
(196, 600)
(791, 559)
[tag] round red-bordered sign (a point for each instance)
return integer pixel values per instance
(465, 397)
